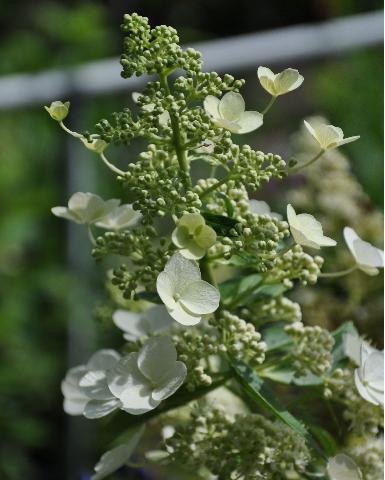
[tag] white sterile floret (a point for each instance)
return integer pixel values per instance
(163, 118)
(352, 347)
(85, 208)
(117, 457)
(96, 145)
(342, 467)
(259, 207)
(307, 231)
(279, 83)
(85, 387)
(138, 325)
(141, 380)
(123, 216)
(58, 110)
(328, 136)
(186, 296)
(229, 113)
(367, 257)
(193, 236)
(369, 376)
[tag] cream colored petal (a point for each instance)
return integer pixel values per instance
(63, 212)
(157, 358)
(191, 221)
(183, 316)
(266, 78)
(193, 251)
(170, 383)
(211, 106)
(249, 121)
(181, 272)
(287, 81)
(205, 237)
(231, 106)
(200, 298)
(348, 140)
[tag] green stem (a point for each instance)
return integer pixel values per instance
(112, 167)
(215, 186)
(338, 274)
(71, 132)
(269, 105)
(177, 139)
(91, 235)
(306, 164)
(206, 272)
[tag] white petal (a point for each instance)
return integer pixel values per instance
(368, 255)
(200, 298)
(94, 385)
(125, 374)
(164, 118)
(131, 323)
(157, 319)
(166, 288)
(182, 272)
(123, 216)
(287, 81)
(352, 347)
(103, 359)
(348, 140)
(233, 127)
(342, 467)
(259, 207)
(75, 406)
(373, 370)
(231, 106)
(183, 316)
(249, 121)
(117, 457)
(63, 212)
(135, 96)
(350, 235)
(266, 79)
(361, 388)
(157, 358)
(100, 408)
(171, 383)
(137, 400)
(211, 105)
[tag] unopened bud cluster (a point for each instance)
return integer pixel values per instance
(249, 446)
(312, 351)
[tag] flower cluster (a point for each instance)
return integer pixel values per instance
(249, 446)
(200, 273)
(312, 352)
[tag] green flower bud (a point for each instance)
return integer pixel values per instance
(58, 110)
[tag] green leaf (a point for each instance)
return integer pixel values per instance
(221, 224)
(258, 391)
(275, 336)
(324, 438)
(266, 292)
(236, 288)
(229, 206)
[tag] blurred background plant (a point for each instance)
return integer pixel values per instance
(33, 255)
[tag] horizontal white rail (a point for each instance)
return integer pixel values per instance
(233, 54)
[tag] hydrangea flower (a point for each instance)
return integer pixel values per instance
(85, 208)
(96, 145)
(141, 380)
(342, 467)
(138, 325)
(279, 83)
(85, 387)
(163, 118)
(328, 136)
(117, 457)
(229, 113)
(367, 257)
(369, 376)
(193, 236)
(187, 297)
(58, 110)
(307, 231)
(259, 207)
(123, 216)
